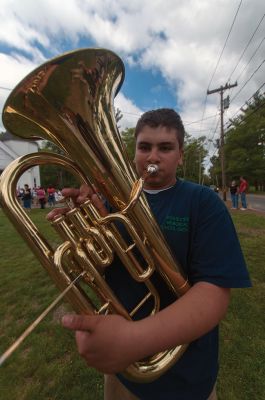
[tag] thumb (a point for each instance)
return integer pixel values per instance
(78, 322)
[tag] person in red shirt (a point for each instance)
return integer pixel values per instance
(51, 196)
(41, 197)
(242, 191)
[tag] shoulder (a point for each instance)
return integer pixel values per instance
(200, 194)
(194, 201)
(195, 187)
(206, 210)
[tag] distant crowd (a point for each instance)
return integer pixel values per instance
(38, 197)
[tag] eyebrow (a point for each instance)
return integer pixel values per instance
(159, 143)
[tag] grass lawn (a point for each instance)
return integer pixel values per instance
(47, 366)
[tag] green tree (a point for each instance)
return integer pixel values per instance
(245, 144)
(215, 170)
(193, 161)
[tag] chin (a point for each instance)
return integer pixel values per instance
(154, 185)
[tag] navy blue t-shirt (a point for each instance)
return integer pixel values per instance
(201, 235)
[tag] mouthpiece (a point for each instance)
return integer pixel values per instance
(152, 169)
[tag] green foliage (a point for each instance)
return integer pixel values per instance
(242, 332)
(194, 155)
(245, 145)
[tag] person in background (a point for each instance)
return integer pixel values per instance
(27, 197)
(41, 197)
(242, 191)
(200, 233)
(234, 195)
(51, 196)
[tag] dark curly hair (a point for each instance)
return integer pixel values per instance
(165, 117)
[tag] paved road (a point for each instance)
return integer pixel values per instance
(256, 202)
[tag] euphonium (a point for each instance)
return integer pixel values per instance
(69, 101)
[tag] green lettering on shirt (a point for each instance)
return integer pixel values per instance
(177, 224)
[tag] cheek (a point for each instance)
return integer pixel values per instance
(139, 158)
(139, 163)
(177, 159)
(171, 164)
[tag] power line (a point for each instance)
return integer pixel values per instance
(129, 113)
(210, 141)
(240, 108)
(199, 131)
(230, 30)
(256, 70)
(253, 112)
(5, 88)
(262, 105)
(134, 114)
(220, 56)
(217, 125)
(199, 120)
(242, 54)
(252, 56)
(211, 157)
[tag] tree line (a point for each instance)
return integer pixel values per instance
(244, 146)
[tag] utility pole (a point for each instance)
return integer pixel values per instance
(224, 105)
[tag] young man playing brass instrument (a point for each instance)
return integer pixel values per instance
(201, 235)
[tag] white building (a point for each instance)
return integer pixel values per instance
(12, 147)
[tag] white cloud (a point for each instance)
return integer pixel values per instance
(132, 113)
(13, 69)
(182, 39)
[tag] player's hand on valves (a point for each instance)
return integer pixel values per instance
(79, 196)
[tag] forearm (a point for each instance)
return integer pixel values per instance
(110, 343)
(190, 317)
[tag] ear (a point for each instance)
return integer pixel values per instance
(181, 156)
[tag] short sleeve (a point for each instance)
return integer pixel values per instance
(215, 253)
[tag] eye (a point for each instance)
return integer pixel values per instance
(166, 148)
(144, 147)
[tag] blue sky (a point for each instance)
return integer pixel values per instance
(170, 49)
(148, 88)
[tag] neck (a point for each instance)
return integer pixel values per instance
(153, 186)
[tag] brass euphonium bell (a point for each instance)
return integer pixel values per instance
(69, 101)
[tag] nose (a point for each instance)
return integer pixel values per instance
(153, 156)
